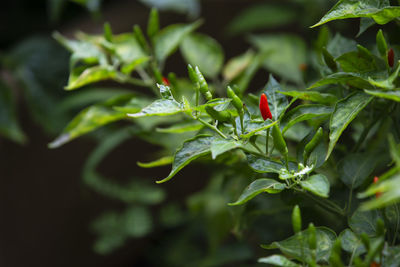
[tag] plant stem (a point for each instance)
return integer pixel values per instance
(212, 128)
(259, 154)
(266, 142)
(364, 134)
(329, 205)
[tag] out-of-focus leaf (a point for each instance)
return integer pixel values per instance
(204, 52)
(297, 246)
(340, 45)
(365, 23)
(351, 243)
(257, 187)
(182, 127)
(317, 184)
(235, 66)
(278, 260)
(345, 111)
(285, 54)
(190, 150)
(314, 96)
(302, 113)
(190, 7)
(92, 118)
(156, 163)
(91, 75)
(354, 79)
(356, 62)
(364, 222)
(168, 39)
(262, 16)
(392, 95)
(380, 11)
(9, 126)
(354, 169)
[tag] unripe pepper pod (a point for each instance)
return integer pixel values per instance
(279, 141)
(222, 116)
(296, 219)
(377, 194)
(381, 43)
(329, 60)
(203, 84)
(312, 144)
(312, 239)
(236, 101)
(390, 57)
(264, 108)
(192, 74)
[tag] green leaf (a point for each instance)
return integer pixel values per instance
(160, 107)
(284, 55)
(9, 126)
(127, 49)
(220, 146)
(235, 66)
(365, 23)
(354, 169)
(263, 165)
(91, 75)
(92, 118)
(278, 260)
(297, 246)
(391, 95)
(277, 102)
(340, 45)
(257, 187)
(356, 62)
(204, 52)
(314, 96)
(351, 243)
(302, 113)
(354, 79)
(189, 151)
(317, 156)
(380, 11)
(261, 16)
(168, 39)
(153, 25)
(364, 222)
(345, 111)
(254, 127)
(317, 184)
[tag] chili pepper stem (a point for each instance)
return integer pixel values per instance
(287, 161)
(241, 123)
(266, 142)
(212, 128)
(197, 98)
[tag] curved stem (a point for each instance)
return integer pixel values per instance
(212, 128)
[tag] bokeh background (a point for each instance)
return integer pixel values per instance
(47, 211)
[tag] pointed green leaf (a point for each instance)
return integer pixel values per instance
(297, 246)
(354, 79)
(257, 187)
(345, 111)
(351, 243)
(204, 52)
(302, 113)
(364, 222)
(153, 24)
(354, 169)
(317, 184)
(91, 75)
(92, 118)
(284, 54)
(182, 127)
(189, 151)
(263, 165)
(220, 146)
(168, 39)
(156, 163)
(278, 260)
(365, 23)
(160, 107)
(391, 95)
(378, 10)
(235, 66)
(314, 96)
(356, 61)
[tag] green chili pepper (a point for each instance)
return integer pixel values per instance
(312, 144)
(296, 219)
(279, 141)
(381, 43)
(380, 227)
(222, 116)
(312, 239)
(203, 86)
(140, 38)
(236, 101)
(192, 74)
(108, 32)
(329, 60)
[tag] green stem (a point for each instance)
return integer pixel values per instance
(266, 142)
(258, 149)
(349, 202)
(212, 128)
(135, 81)
(329, 205)
(259, 154)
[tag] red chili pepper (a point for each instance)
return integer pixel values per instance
(390, 57)
(165, 81)
(303, 67)
(374, 264)
(264, 108)
(377, 194)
